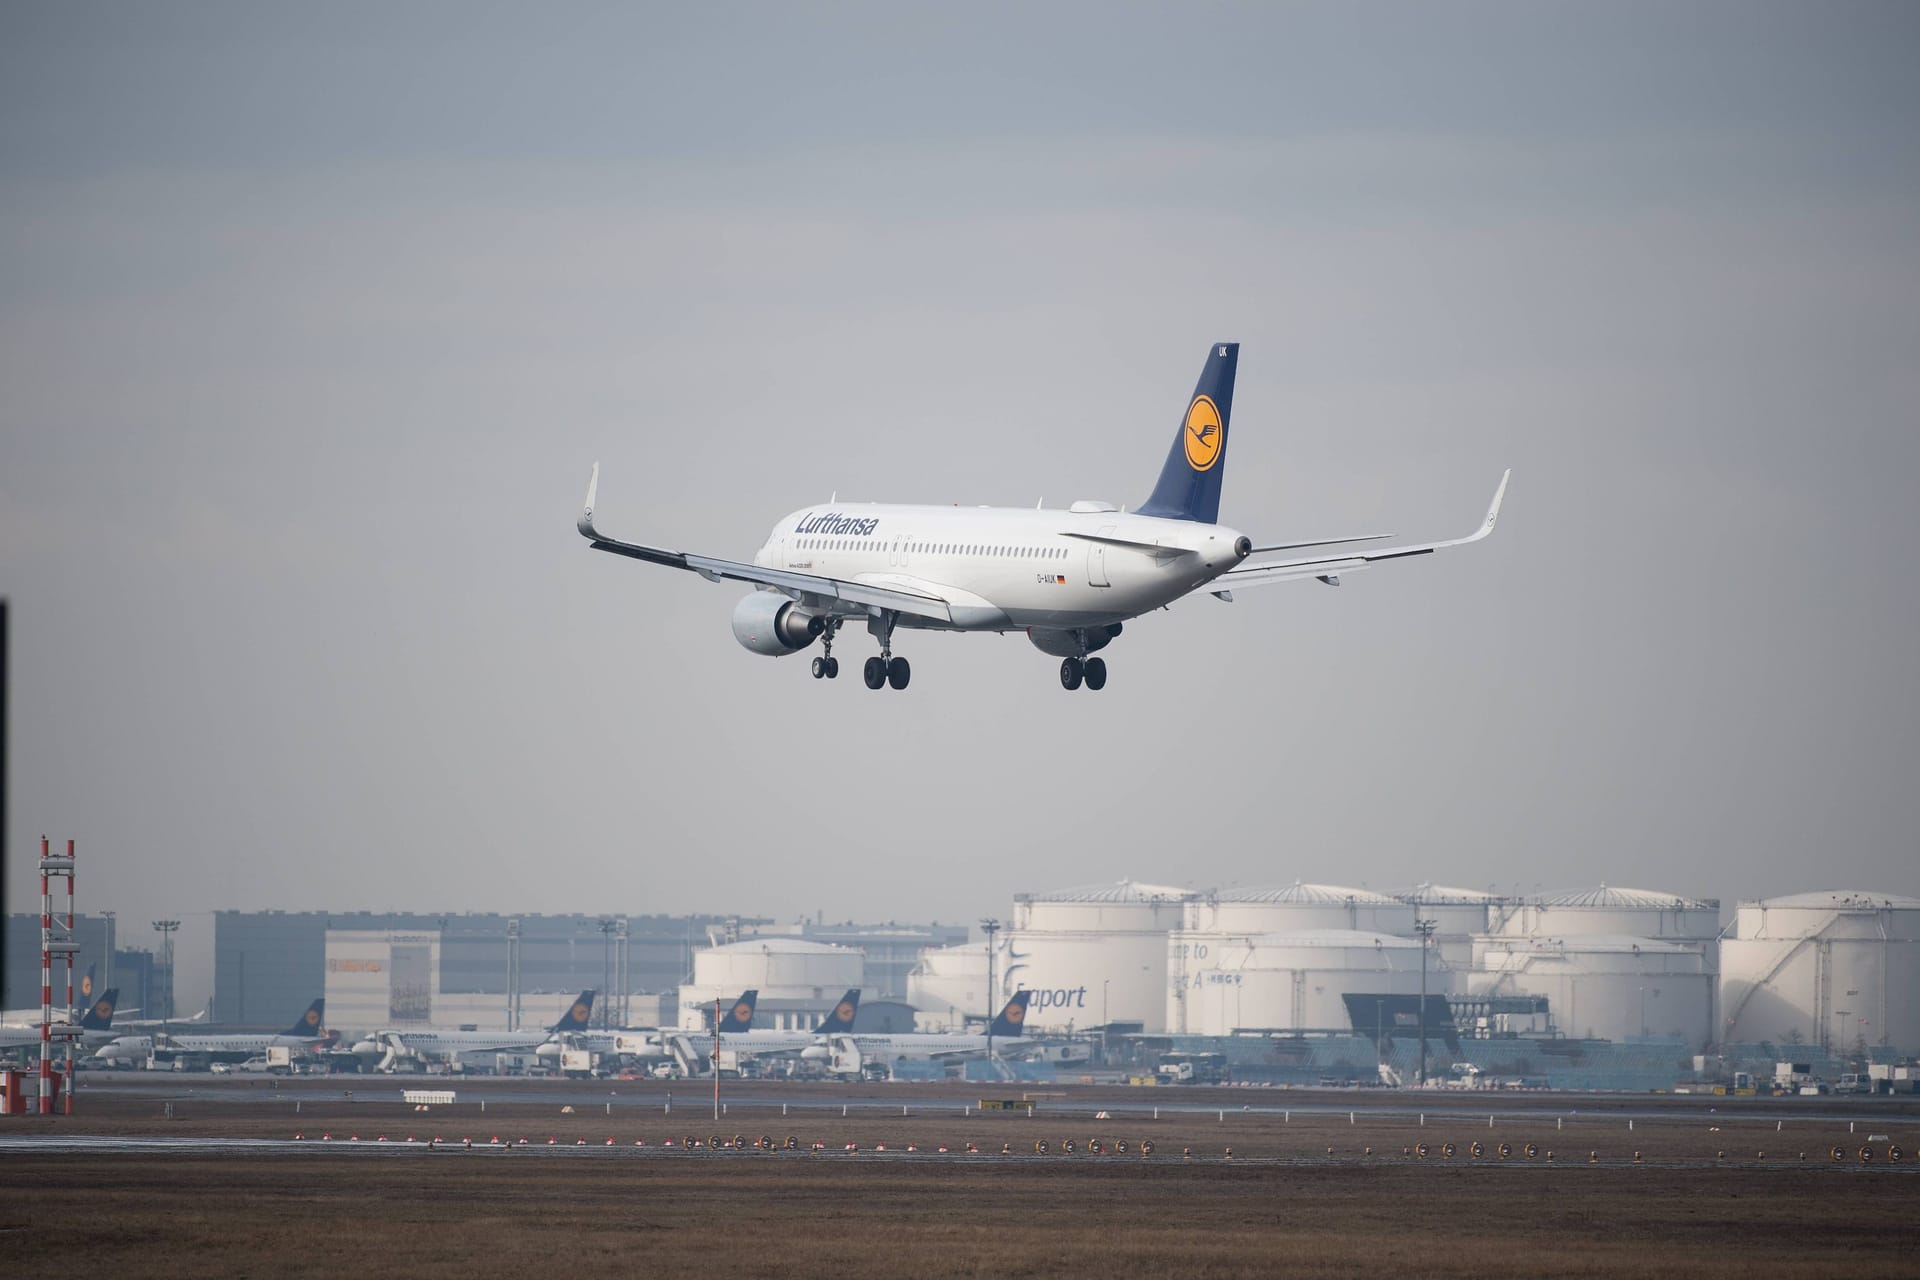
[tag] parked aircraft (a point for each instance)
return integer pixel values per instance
(393, 1048)
(95, 1026)
(850, 1053)
(1068, 579)
(202, 1050)
(738, 1039)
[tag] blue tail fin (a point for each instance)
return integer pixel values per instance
(579, 1017)
(1189, 487)
(99, 1014)
(840, 1021)
(1013, 1017)
(310, 1021)
(740, 1017)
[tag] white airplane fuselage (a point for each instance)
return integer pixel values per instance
(1008, 568)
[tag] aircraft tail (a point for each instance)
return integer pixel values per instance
(840, 1021)
(579, 1017)
(740, 1017)
(1189, 487)
(99, 1014)
(310, 1021)
(1013, 1017)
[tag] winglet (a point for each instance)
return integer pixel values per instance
(1493, 508)
(585, 523)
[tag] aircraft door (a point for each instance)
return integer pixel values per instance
(1097, 560)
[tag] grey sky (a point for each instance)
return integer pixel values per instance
(313, 317)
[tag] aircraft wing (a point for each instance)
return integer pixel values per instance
(1329, 568)
(810, 589)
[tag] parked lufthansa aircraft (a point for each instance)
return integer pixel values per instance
(1069, 579)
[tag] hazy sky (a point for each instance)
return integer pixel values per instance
(312, 319)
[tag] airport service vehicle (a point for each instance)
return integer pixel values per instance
(1069, 579)
(196, 1052)
(1191, 1068)
(856, 1054)
(397, 1049)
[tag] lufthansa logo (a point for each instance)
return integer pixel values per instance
(844, 1013)
(313, 1019)
(1204, 435)
(742, 1012)
(1016, 1013)
(579, 1013)
(103, 1010)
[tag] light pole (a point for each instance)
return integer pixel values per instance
(606, 969)
(166, 930)
(1425, 929)
(990, 926)
(1103, 1021)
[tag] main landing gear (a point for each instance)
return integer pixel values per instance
(826, 666)
(885, 669)
(1092, 670)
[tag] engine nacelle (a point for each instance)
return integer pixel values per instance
(1072, 644)
(769, 623)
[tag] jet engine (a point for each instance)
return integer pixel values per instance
(769, 623)
(1070, 644)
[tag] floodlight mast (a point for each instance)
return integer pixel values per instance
(1425, 929)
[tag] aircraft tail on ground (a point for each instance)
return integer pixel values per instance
(740, 1016)
(580, 1016)
(99, 1014)
(310, 1021)
(840, 1020)
(1013, 1017)
(1189, 487)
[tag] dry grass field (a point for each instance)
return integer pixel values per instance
(1281, 1205)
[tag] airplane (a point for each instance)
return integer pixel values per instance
(394, 1047)
(1069, 579)
(186, 1050)
(641, 1042)
(95, 1026)
(739, 1039)
(847, 1053)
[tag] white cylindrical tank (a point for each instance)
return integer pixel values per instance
(1604, 986)
(1288, 981)
(1090, 956)
(1297, 908)
(1610, 910)
(798, 981)
(948, 985)
(1458, 915)
(1832, 969)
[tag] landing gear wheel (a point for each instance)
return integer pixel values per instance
(898, 673)
(833, 668)
(1070, 672)
(1096, 673)
(875, 673)
(819, 668)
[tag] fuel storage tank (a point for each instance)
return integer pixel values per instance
(1604, 986)
(1835, 968)
(798, 981)
(1288, 981)
(1297, 908)
(1090, 955)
